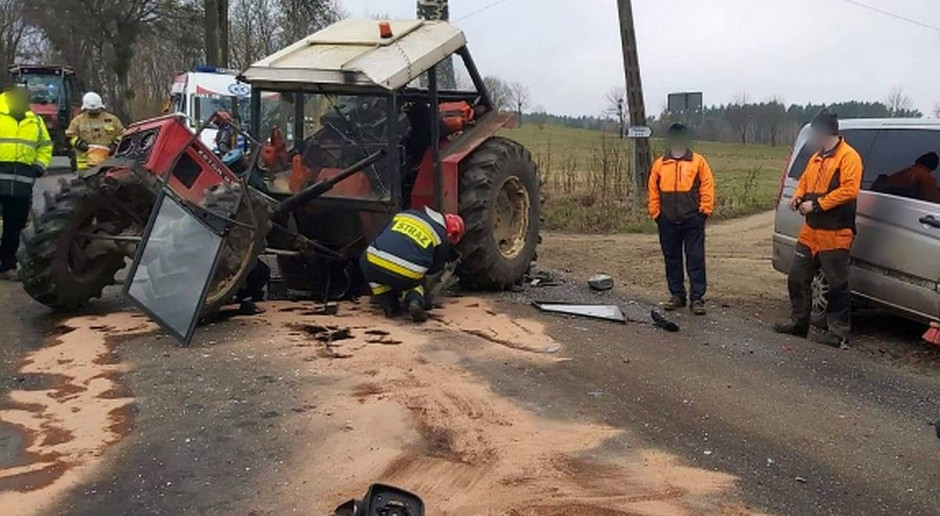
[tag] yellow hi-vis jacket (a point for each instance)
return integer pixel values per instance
(25, 151)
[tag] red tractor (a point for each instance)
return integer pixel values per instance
(54, 96)
(369, 134)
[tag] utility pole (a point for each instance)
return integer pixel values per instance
(631, 65)
(439, 10)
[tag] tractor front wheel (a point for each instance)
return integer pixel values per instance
(500, 204)
(59, 266)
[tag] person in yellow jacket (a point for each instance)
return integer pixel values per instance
(94, 133)
(25, 153)
(826, 197)
(681, 198)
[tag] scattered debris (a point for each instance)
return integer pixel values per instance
(661, 321)
(933, 334)
(603, 312)
(595, 394)
(601, 282)
(542, 278)
(800, 480)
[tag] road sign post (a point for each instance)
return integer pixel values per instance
(643, 133)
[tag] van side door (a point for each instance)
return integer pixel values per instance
(896, 255)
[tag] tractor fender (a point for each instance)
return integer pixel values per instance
(452, 154)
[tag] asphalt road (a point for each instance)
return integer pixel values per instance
(808, 430)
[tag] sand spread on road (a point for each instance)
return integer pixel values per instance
(401, 409)
(396, 404)
(68, 425)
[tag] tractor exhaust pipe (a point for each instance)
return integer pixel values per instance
(321, 187)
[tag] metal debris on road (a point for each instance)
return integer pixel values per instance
(601, 282)
(603, 312)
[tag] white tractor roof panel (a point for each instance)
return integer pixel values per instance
(352, 52)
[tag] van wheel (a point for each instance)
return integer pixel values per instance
(820, 288)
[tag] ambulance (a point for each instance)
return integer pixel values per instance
(204, 91)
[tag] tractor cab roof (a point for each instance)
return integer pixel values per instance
(352, 55)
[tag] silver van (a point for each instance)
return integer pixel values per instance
(896, 256)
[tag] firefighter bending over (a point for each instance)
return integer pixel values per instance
(416, 243)
(95, 133)
(826, 198)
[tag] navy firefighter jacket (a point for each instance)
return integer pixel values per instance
(413, 245)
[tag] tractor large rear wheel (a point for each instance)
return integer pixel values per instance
(55, 266)
(500, 204)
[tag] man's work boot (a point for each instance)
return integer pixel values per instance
(698, 307)
(248, 307)
(674, 303)
(792, 327)
(389, 303)
(416, 311)
(831, 339)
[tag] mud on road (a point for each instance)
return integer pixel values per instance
(297, 412)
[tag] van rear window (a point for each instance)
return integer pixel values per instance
(860, 139)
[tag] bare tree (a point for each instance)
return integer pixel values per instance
(14, 31)
(899, 104)
(616, 107)
(100, 39)
(615, 101)
(520, 97)
(740, 116)
(253, 31)
(500, 93)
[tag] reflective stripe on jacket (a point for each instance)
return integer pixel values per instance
(25, 151)
(413, 245)
(831, 181)
(104, 129)
(681, 188)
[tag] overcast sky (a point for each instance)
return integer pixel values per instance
(568, 52)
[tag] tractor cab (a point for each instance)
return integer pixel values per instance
(54, 95)
(361, 86)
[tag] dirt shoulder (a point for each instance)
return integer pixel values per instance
(741, 281)
(740, 273)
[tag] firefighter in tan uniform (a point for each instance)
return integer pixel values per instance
(94, 133)
(826, 197)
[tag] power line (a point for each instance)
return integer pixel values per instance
(480, 10)
(893, 15)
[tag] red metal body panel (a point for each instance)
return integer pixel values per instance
(452, 154)
(175, 140)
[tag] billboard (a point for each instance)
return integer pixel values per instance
(685, 102)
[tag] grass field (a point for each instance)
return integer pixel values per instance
(587, 178)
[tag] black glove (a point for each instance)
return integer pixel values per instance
(40, 170)
(81, 145)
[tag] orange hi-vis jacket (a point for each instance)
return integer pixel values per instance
(831, 182)
(681, 188)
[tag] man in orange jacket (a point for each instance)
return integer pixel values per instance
(681, 197)
(826, 197)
